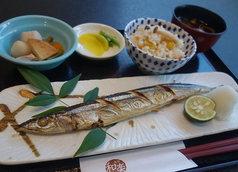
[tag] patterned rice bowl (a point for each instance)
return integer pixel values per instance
(151, 64)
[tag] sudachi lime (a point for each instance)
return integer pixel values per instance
(199, 108)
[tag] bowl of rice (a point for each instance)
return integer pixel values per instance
(157, 46)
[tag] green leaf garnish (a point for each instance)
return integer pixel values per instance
(41, 82)
(69, 86)
(107, 132)
(41, 100)
(36, 79)
(54, 109)
(91, 95)
(93, 139)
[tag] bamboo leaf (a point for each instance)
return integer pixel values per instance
(69, 86)
(41, 100)
(54, 109)
(93, 139)
(36, 79)
(107, 132)
(91, 95)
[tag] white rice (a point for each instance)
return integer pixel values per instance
(158, 39)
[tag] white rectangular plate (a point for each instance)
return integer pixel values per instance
(166, 125)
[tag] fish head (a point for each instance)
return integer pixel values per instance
(46, 125)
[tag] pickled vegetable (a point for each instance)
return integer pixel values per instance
(92, 44)
(101, 39)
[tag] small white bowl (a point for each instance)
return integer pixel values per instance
(96, 28)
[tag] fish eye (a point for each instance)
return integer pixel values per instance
(42, 122)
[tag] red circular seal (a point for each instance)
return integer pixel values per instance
(115, 165)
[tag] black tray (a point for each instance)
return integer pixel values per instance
(121, 66)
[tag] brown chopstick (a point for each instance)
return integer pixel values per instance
(213, 148)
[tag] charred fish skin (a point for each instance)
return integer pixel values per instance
(111, 109)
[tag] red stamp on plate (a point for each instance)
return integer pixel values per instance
(115, 165)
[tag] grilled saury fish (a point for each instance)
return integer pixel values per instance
(111, 109)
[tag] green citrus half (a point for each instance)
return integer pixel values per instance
(200, 108)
